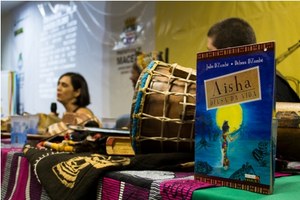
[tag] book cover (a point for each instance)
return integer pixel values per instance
(234, 126)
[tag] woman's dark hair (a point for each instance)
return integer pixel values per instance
(231, 32)
(78, 82)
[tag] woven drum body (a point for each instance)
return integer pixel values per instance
(163, 109)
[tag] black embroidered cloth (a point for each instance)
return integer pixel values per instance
(76, 175)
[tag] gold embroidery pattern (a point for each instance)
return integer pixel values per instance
(67, 171)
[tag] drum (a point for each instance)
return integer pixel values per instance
(163, 109)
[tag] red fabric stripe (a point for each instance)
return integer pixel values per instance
(4, 152)
(279, 174)
(110, 189)
(22, 169)
(3, 162)
(135, 192)
(181, 188)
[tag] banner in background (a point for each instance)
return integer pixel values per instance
(79, 36)
(20, 71)
(8, 93)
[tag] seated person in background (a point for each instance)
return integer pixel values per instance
(73, 94)
(236, 32)
(229, 33)
(284, 91)
(142, 60)
(135, 73)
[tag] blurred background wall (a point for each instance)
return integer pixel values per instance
(42, 40)
(182, 27)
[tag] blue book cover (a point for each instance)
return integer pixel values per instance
(234, 126)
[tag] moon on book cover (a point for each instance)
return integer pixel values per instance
(233, 114)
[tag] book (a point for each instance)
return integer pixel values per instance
(119, 146)
(235, 129)
(288, 114)
(118, 141)
(288, 133)
(104, 131)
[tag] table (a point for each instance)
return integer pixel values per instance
(19, 181)
(285, 188)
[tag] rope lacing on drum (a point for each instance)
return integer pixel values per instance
(144, 92)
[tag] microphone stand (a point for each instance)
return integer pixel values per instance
(284, 56)
(290, 50)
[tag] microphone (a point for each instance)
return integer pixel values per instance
(53, 108)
